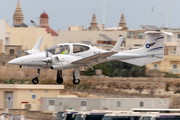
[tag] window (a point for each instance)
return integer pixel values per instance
(59, 49)
(69, 28)
(138, 45)
(155, 66)
(140, 35)
(46, 91)
(60, 102)
(3, 63)
(178, 36)
(19, 52)
(168, 38)
(79, 48)
(11, 51)
(51, 102)
(141, 104)
(130, 34)
(83, 103)
(118, 103)
(31, 91)
(160, 102)
(174, 66)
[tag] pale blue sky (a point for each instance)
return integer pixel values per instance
(79, 12)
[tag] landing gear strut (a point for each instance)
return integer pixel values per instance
(59, 78)
(35, 80)
(76, 76)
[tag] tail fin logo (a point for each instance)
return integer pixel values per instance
(149, 45)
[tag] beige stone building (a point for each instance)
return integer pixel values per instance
(16, 96)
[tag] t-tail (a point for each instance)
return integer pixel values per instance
(153, 49)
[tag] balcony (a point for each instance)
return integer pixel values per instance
(175, 71)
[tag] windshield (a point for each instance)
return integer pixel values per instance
(78, 117)
(107, 118)
(146, 118)
(59, 116)
(94, 117)
(59, 49)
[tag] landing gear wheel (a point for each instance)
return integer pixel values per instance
(59, 80)
(35, 80)
(76, 81)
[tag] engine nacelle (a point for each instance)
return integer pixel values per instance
(60, 62)
(60, 65)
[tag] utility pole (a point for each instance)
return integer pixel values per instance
(104, 6)
(167, 14)
(152, 16)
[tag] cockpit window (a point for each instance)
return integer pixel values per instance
(59, 49)
(79, 48)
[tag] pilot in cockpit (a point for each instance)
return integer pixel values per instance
(66, 51)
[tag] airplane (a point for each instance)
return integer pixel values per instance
(75, 55)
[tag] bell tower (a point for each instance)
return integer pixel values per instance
(18, 15)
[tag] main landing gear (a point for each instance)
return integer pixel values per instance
(59, 78)
(35, 80)
(76, 76)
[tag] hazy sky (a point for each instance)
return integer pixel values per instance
(79, 12)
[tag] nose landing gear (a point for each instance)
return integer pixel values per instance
(36, 80)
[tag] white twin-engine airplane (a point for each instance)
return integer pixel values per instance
(74, 55)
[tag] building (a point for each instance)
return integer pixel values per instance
(44, 23)
(18, 18)
(16, 96)
(171, 60)
(93, 25)
(2, 35)
(122, 23)
(80, 104)
(26, 36)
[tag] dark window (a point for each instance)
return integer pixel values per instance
(11, 51)
(19, 52)
(79, 48)
(3, 64)
(118, 103)
(178, 36)
(141, 104)
(51, 102)
(94, 117)
(83, 103)
(60, 102)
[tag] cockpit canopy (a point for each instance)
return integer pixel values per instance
(67, 48)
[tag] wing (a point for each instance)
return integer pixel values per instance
(98, 58)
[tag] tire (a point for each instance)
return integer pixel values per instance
(59, 80)
(35, 81)
(76, 81)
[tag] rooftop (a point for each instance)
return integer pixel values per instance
(31, 86)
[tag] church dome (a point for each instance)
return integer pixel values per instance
(44, 15)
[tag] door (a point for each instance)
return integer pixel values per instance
(9, 100)
(83, 105)
(51, 105)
